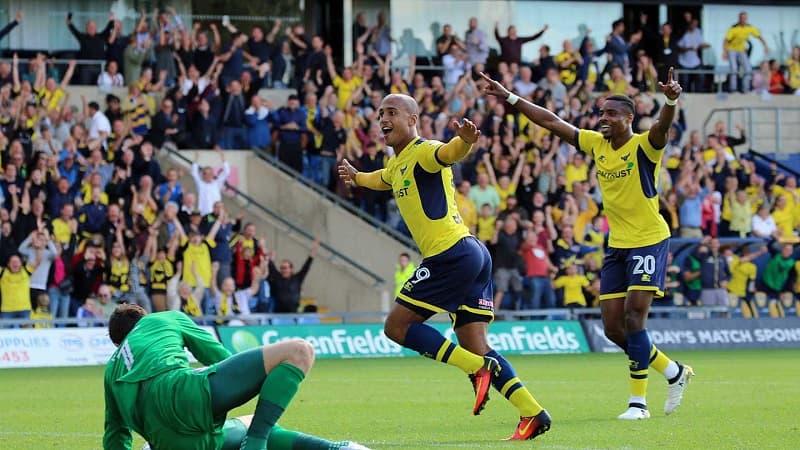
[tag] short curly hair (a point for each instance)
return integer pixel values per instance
(122, 321)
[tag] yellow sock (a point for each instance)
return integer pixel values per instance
(639, 383)
(525, 403)
(658, 360)
(456, 355)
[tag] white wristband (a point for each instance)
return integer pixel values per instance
(512, 99)
(670, 102)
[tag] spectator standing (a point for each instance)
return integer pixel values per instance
(445, 42)
(714, 276)
(92, 46)
(221, 252)
(133, 57)
(204, 127)
(403, 272)
(477, 43)
(573, 284)
(286, 284)
(734, 49)
(15, 287)
(537, 273)
(164, 126)
(39, 247)
(617, 46)
(291, 133)
(667, 53)
(776, 278)
(196, 263)
(506, 261)
(100, 127)
(382, 37)
(234, 133)
(763, 225)
(690, 46)
(257, 118)
(209, 187)
(511, 44)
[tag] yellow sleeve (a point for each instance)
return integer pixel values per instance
(184, 241)
(436, 155)
(653, 154)
(560, 282)
(586, 140)
(374, 180)
(337, 81)
(754, 31)
(729, 34)
(584, 281)
(211, 243)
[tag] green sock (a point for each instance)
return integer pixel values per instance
(283, 439)
(278, 390)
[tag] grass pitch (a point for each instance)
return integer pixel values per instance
(739, 399)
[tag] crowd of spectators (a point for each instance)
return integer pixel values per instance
(90, 219)
(99, 223)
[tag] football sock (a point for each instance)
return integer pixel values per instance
(430, 343)
(639, 357)
(283, 439)
(510, 386)
(661, 362)
(277, 391)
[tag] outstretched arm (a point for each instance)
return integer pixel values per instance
(658, 132)
(370, 180)
(540, 116)
(458, 147)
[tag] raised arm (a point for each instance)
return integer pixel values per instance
(658, 132)
(68, 75)
(540, 116)
(458, 147)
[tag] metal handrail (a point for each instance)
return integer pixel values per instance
(779, 164)
(297, 176)
(377, 279)
(748, 110)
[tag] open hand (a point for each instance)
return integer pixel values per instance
(348, 173)
(494, 88)
(672, 90)
(466, 130)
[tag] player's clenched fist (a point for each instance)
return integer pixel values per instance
(348, 173)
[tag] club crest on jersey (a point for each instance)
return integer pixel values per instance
(403, 170)
(625, 157)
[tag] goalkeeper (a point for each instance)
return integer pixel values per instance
(151, 389)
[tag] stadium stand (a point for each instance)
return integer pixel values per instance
(99, 214)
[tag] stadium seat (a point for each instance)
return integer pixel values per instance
(761, 304)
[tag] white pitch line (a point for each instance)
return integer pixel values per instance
(51, 434)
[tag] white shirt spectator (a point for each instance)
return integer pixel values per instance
(763, 227)
(477, 46)
(106, 81)
(524, 88)
(209, 193)
(100, 124)
(454, 69)
(691, 39)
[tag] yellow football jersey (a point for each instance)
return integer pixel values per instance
(741, 275)
(737, 36)
(628, 177)
(425, 194)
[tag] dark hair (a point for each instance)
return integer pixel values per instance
(617, 23)
(406, 255)
(94, 106)
(624, 99)
(122, 321)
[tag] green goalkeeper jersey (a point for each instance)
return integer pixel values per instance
(154, 346)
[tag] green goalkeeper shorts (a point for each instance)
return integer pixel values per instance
(177, 414)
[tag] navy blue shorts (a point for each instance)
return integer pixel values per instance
(639, 269)
(457, 281)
